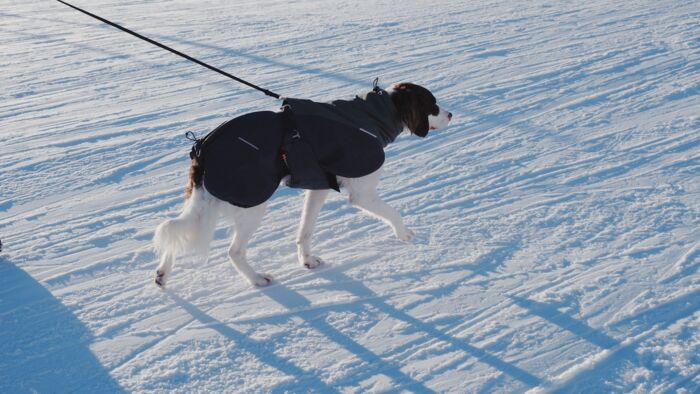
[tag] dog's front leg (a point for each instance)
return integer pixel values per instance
(313, 201)
(371, 203)
(363, 194)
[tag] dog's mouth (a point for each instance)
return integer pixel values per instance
(432, 127)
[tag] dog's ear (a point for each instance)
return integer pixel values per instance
(422, 126)
(411, 102)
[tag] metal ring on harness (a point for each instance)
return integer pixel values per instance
(196, 152)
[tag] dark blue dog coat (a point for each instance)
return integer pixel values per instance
(246, 158)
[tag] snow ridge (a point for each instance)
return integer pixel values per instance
(557, 217)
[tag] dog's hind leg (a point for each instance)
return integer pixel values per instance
(190, 232)
(246, 221)
(164, 269)
(313, 201)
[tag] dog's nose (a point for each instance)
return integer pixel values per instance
(449, 115)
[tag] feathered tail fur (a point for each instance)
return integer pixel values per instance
(193, 230)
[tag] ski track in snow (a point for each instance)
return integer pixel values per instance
(557, 217)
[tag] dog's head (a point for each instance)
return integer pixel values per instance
(418, 108)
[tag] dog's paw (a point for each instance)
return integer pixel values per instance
(160, 278)
(311, 262)
(261, 280)
(405, 235)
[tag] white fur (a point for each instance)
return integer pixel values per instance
(192, 231)
(441, 120)
(194, 228)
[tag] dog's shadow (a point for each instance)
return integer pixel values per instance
(360, 290)
(294, 301)
(315, 317)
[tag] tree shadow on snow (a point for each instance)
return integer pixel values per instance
(659, 317)
(44, 346)
(358, 289)
(299, 69)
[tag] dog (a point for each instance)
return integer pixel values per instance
(213, 192)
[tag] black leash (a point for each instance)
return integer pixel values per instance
(190, 58)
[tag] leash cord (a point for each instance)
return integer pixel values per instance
(167, 48)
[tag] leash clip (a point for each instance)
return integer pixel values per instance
(196, 151)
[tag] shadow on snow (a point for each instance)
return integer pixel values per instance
(45, 347)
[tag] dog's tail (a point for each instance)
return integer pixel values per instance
(193, 230)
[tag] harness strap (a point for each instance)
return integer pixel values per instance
(289, 127)
(299, 158)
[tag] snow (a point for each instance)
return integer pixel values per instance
(557, 217)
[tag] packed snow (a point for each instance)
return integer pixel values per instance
(557, 217)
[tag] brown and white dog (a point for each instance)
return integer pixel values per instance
(193, 229)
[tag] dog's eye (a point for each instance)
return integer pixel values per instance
(436, 111)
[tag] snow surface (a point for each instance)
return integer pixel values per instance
(558, 216)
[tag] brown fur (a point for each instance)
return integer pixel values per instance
(196, 175)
